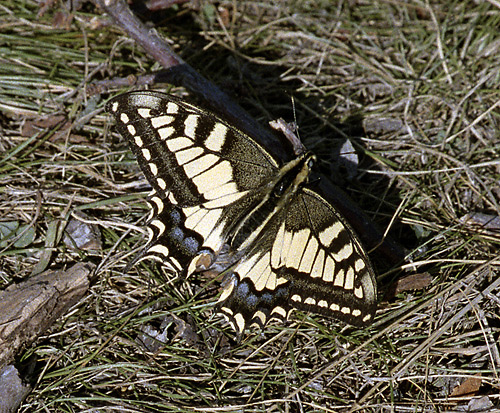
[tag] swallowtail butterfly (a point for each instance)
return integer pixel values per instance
(221, 200)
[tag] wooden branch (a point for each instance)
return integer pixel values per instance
(179, 73)
(30, 307)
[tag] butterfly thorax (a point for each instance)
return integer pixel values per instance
(275, 198)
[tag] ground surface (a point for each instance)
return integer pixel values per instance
(415, 87)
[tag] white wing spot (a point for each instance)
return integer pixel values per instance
(310, 301)
(161, 121)
(160, 226)
(144, 113)
(114, 106)
(158, 202)
(322, 303)
(287, 242)
(329, 234)
(146, 154)
(271, 280)
(280, 281)
(319, 262)
(178, 144)
(358, 292)
(297, 246)
(153, 168)
(216, 176)
(200, 164)
(280, 311)
(215, 240)
(349, 279)
(309, 254)
(346, 310)
(260, 272)
(344, 253)
(339, 278)
(261, 316)
(329, 270)
(244, 267)
(228, 289)
(172, 108)
(190, 125)
(124, 118)
(240, 322)
(161, 183)
(172, 199)
(175, 263)
(229, 188)
(277, 250)
(187, 155)
(356, 312)
(131, 130)
(297, 298)
(216, 138)
(166, 132)
(359, 265)
(334, 307)
(138, 141)
(195, 214)
(227, 310)
(160, 249)
(224, 200)
(203, 221)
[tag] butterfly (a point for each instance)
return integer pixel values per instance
(221, 201)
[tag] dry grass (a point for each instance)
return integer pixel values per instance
(415, 86)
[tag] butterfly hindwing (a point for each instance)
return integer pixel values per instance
(217, 190)
(309, 260)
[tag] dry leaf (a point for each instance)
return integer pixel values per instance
(469, 387)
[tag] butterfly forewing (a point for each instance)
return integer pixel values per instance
(187, 152)
(214, 187)
(202, 171)
(334, 276)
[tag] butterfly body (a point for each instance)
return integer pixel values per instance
(219, 198)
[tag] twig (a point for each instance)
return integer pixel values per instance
(178, 72)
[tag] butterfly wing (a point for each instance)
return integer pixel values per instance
(204, 173)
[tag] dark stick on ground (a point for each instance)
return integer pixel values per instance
(179, 73)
